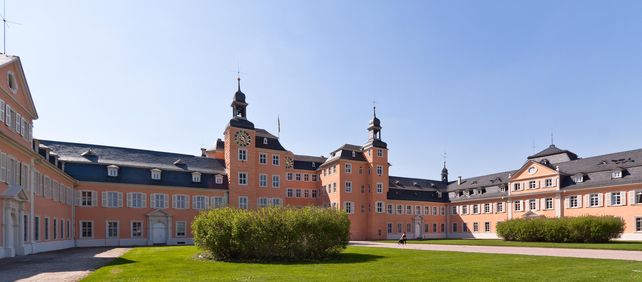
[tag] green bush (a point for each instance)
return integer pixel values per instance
(269, 234)
(581, 229)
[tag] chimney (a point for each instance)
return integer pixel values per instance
(203, 154)
(458, 180)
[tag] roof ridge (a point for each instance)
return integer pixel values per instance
(116, 147)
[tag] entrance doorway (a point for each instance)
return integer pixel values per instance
(159, 233)
(418, 227)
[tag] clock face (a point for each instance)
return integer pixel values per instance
(532, 170)
(289, 163)
(242, 138)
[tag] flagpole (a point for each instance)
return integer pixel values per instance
(278, 124)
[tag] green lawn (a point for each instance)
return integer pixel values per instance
(365, 264)
(615, 245)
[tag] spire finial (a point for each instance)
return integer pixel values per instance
(444, 159)
(374, 107)
(238, 80)
(552, 143)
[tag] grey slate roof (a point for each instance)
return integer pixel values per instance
(72, 152)
(597, 170)
(307, 162)
(416, 189)
(345, 153)
(553, 150)
(272, 141)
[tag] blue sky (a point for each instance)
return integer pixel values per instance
(484, 81)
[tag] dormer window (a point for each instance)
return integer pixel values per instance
(314, 164)
(112, 171)
(265, 141)
(156, 174)
(616, 174)
(218, 179)
(11, 80)
(196, 177)
(354, 154)
(579, 178)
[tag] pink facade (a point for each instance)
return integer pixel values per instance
(56, 195)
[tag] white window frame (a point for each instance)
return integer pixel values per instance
(243, 178)
(180, 201)
(156, 174)
(243, 202)
(112, 171)
(180, 229)
(348, 168)
(276, 160)
(242, 154)
(348, 207)
(548, 204)
(379, 187)
(379, 170)
(218, 179)
(108, 229)
(276, 181)
(136, 200)
(82, 229)
(379, 206)
(262, 180)
(135, 234)
(348, 187)
(196, 177)
(262, 158)
(379, 153)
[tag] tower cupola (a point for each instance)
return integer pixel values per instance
(239, 106)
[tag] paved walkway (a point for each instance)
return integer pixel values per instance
(553, 252)
(65, 265)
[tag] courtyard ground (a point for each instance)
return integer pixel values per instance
(613, 245)
(180, 263)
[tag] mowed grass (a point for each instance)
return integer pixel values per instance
(614, 245)
(365, 264)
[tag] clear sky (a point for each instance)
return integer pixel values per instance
(485, 81)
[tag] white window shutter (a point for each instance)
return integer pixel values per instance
(631, 197)
(555, 182)
(579, 201)
(166, 204)
(94, 198)
(536, 204)
(174, 201)
(193, 202)
(3, 167)
(623, 197)
(608, 199)
(144, 200)
(104, 195)
(207, 203)
(567, 202)
(152, 200)
(78, 198)
(587, 200)
(120, 199)
(600, 199)
(7, 119)
(2, 107)
(491, 207)
(129, 199)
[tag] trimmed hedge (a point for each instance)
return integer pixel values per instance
(581, 229)
(269, 234)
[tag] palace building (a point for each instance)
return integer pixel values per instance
(57, 194)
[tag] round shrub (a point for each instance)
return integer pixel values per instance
(270, 234)
(581, 229)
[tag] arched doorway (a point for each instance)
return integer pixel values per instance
(159, 233)
(418, 222)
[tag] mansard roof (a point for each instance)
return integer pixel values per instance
(308, 162)
(127, 157)
(273, 142)
(345, 152)
(553, 150)
(494, 179)
(416, 189)
(598, 170)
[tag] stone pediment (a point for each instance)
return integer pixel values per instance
(15, 192)
(532, 214)
(157, 212)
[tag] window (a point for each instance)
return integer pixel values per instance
(112, 229)
(135, 200)
(434, 210)
(334, 187)
(379, 207)
(348, 168)
(289, 192)
(25, 228)
(475, 226)
(486, 208)
(348, 187)
(112, 171)
(408, 227)
(86, 229)
(548, 182)
(379, 187)
(637, 197)
(486, 226)
(297, 177)
(196, 177)
(573, 202)
(262, 180)
(179, 201)
(616, 174)
(518, 205)
(579, 178)
(442, 228)
(112, 199)
(242, 155)
(548, 203)
(399, 228)
(68, 229)
(181, 227)
(55, 228)
(297, 193)
(276, 160)
(262, 158)
(379, 153)
(276, 202)
(243, 202)
(314, 194)
(389, 228)
(379, 170)
(159, 201)
(199, 202)
(36, 228)
(638, 224)
(464, 209)
(276, 181)
(306, 193)
(265, 141)
(156, 174)
(137, 229)
(475, 209)
(289, 176)
(218, 202)
(262, 202)
(517, 186)
(314, 177)
(219, 179)
(399, 209)
(616, 199)
(427, 210)
(454, 227)
(532, 204)
(390, 209)
(348, 207)
(242, 178)
(594, 200)
(11, 80)
(453, 210)
(306, 177)
(500, 207)
(532, 184)
(408, 209)
(87, 198)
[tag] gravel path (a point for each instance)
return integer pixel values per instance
(65, 265)
(530, 251)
